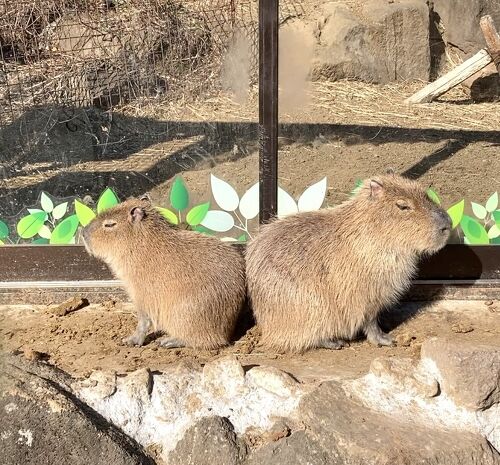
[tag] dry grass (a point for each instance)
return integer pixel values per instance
(343, 102)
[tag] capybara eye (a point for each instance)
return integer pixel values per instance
(402, 205)
(110, 224)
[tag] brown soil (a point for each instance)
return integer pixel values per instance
(89, 339)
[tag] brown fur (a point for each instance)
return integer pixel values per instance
(324, 276)
(190, 285)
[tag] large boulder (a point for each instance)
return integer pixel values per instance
(460, 21)
(43, 423)
(386, 41)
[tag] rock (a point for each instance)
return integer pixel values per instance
(355, 435)
(210, 441)
(299, 448)
(404, 375)
(101, 384)
(42, 423)
(71, 305)
(470, 372)
(390, 43)
(224, 377)
(272, 380)
(460, 21)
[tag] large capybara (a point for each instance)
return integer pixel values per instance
(184, 283)
(318, 279)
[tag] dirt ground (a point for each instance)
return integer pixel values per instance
(89, 339)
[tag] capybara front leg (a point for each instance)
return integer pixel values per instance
(334, 344)
(171, 343)
(137, 338)
(376, 336)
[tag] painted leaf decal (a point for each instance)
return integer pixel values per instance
(494, 232)
(286, 204)
(60, 210)
(29, 226)
(242, 238)
(249, 203)
(474, 231)
(217, 220)
(40, 241)
(84, 214)
(433, 196)
(496, 216)
(466, 241)
(196, 214)
(313, 197)
(34, 210)
(65, 230)
(179, 196)
(479, 210)
(45, 232)
(224, 194)
(228, 239)
(495, 241)
(2, 242)
(456, 212)
(169, 215)
(107, 200)
(492, 203)
(201, 229)
(46, 203)
(4, 230)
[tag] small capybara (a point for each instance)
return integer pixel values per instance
(186, 284)
(317, 279)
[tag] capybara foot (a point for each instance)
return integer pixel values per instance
(134, 340)
(376, 336)
(171, 343)
(334, 344)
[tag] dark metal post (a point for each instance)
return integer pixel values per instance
(268, 108)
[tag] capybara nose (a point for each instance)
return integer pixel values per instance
(443, 220)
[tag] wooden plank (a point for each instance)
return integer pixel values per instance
(27, 263)
(492, 39)
(451, 79)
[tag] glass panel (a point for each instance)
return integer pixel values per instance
(106, 100)
(344, 79)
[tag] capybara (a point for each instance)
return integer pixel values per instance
(186, 284)
(318, 279)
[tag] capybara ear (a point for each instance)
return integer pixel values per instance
(137, 214)
(376, 188)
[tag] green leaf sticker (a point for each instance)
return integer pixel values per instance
(197, 214)
(85, 214)
(495, 241)
(65, 230)
(474, 231)
(179, 197)
(456, 212)
(492, 203)
(433, 196)
(45, 232)
(169, 215)
(4, 230)
(29, 226)
(242, 238)
(479, 210)
(107, 200)
(60, 210)
(201, 229)
(496, 216)
(494, 232)
(40, 241)
(46, 203)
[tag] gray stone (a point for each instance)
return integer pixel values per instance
(43, 423)
(460, 21)
(299, 448)
(211, 440)
(388, 42)
(358, 436)
(470, 372)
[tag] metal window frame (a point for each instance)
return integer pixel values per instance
(28, 271)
